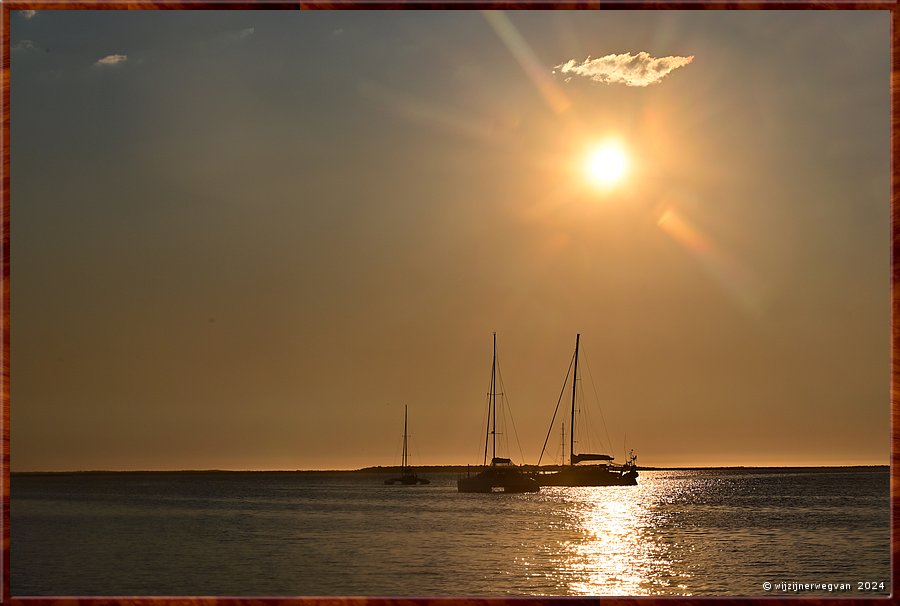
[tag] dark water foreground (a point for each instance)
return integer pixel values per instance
(705, 532)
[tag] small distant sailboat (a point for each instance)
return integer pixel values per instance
(407, 476)
(501, 475)
(604, 474)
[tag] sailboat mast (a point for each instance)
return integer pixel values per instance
(572, 423)
(405, 412)
(494, 399)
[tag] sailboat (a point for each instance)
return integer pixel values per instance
(407, 477)
(603, 474)
(501, 475)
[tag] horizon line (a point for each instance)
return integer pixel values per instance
(376, 468)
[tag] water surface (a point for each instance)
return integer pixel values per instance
(676, 533)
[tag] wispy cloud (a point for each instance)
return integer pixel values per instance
(631, 70)
(111, 60)
(28, 14)
(24, 45)
(244, 33)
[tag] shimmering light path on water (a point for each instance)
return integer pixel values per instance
(677, 533)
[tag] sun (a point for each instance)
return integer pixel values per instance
(607, 164)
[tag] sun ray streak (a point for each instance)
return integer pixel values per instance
(427, 112)
(522, 52)
(734, 276)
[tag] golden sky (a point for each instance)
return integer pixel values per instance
(245, 240)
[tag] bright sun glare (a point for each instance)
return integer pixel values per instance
(607, 164)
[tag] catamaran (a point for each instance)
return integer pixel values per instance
(501, 475)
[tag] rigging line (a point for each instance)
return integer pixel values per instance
(602, 418)
(398, 445)
(504, 411)
(562, 444)
(412, 447)
(511, 419)
(487, 428)
(504, 406)
(398, 449)
(589, 434)
(584, 415)
(556, 410)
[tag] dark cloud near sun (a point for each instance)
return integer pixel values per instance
(627, 69)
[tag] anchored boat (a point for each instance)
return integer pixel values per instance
(407, 476)
(501, 475)
(603, 474)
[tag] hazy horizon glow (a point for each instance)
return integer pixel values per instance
(245, 240)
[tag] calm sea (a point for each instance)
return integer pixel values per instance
(677, 533)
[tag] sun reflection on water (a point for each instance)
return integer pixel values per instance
(614, 545)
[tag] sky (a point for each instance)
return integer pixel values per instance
(245, 240)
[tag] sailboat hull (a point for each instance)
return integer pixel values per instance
(498, 479)
(595, 475)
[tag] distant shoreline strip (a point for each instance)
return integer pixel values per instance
(437, 469)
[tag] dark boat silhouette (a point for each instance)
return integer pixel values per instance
(603, 474)
(407, 476)
(501, 475)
